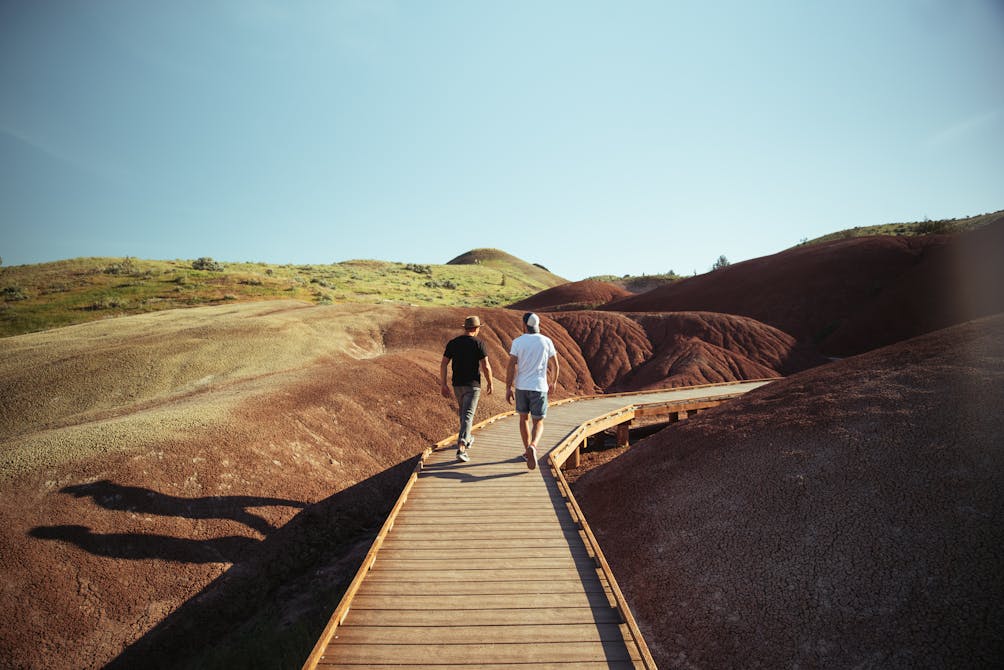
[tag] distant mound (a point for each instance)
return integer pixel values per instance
(853, 295)
(631, 352)
(585, 294)
(848, 516)
(500, 260)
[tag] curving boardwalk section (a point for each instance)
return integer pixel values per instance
(488, 564)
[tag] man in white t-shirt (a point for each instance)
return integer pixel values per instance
(529, 361)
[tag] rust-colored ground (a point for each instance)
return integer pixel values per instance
(584, 294)
(854, 295)
(845, 517)
(188, 489)
(645, 351)
(195, 488)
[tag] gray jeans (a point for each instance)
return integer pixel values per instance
(467, 398)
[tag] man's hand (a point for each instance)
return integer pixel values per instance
(445, 390)
(508, 394)
(489, 387)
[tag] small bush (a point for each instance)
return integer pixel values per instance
(441, 283)
(722, 262)
(108, 302)
(420, 269)
(123, 267)
(12, 293)
(253, 281)
(207, 263)
(928, 227)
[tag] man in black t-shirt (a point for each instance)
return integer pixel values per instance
(468, 354)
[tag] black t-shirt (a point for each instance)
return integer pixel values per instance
(466, 353)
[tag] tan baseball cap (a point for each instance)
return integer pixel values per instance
(472, 322)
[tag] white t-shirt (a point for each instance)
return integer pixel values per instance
(532, 351)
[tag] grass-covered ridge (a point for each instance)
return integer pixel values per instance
(926, 227)
(50, 295)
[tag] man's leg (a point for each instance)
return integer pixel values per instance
(467, 400)
(524, 429)
(538, 430)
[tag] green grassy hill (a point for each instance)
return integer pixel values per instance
(926, 227)
(49, 295)
(509, 264)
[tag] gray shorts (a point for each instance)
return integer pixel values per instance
(533, 403)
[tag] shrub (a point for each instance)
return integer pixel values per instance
(123, 267)
(12, 293)
(722, 262)
(928, 227)
(207, 263)
(108, 302)
(441, 283)
(420, 269)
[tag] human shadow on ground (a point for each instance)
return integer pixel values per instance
(146, 501)
(138, 546)
(269, 609)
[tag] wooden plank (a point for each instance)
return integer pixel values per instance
(480, 654)
(594, 665)
(484, 564)
(482, 587)
(365, 601)
(513, 617)
(520, 634)
(454, 556)
(464, 574)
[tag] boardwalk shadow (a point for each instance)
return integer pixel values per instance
(270, 607)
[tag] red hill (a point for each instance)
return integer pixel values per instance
(854, 295)
(584, 294)
(643, 351)
(848, 516)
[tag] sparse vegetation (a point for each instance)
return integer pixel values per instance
(639, 283)
(50, 295)
(925, 227)
(722, 262)
(207, 263)
(13, 293)
(419, 269)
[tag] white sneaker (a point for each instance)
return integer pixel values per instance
(462, 456)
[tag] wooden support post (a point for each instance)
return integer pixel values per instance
(577, 454)
(623, 434)
(681, 415)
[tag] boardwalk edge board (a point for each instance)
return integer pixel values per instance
(556, 460)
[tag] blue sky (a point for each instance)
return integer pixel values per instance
(591, 137)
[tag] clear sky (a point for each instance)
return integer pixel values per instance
(591, 137)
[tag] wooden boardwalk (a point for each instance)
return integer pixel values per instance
(488, 564)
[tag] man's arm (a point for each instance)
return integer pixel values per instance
(486, 370)
(557, 369)
(443, 386)
(510, 377)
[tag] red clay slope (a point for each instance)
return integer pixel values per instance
(583, 294)
(630, 352)
(851, 296)
(848, 516)
(187, 488)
